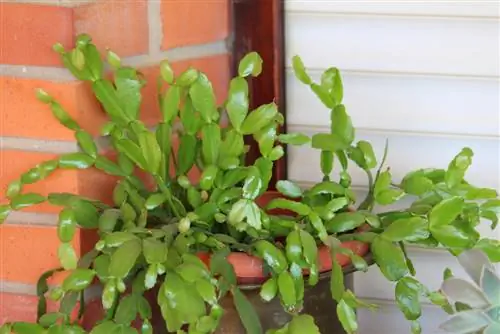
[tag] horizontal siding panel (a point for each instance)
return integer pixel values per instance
(404, 103)
(391, 44)
(484, 228)
(406, 153)
(388, 319)
(429, 265)
(463, 8)
(422, 74)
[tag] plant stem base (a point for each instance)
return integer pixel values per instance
(318, 303)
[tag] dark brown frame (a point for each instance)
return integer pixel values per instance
(258, 25)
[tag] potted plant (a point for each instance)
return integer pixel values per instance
(202, 249)
(476, 303)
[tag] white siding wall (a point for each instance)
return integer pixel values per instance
(422, 74)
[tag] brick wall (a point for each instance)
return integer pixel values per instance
(142, 32)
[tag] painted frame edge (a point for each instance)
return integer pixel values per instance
(258, 25)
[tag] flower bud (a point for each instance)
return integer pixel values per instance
(120, 285)
(59, 48)
(204, 196)
(42, 96)
(184, 181)
(220, 217)
(114, 60)
(100, 245)
(184, 225)
(56, 293)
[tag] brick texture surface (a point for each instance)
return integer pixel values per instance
(22, 115)
(23, 307)
(120, 25)
(91, 182)
(19, 307)
(28, 31)
(215, 67)
(188, 22)
(28, 251)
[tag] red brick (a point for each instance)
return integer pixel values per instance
(28, 251)
(20, 307)
(121, 26)
(215, 67)
(22, 115)
(17, 307)
(91, 183)
(28, 31)
(189, 22)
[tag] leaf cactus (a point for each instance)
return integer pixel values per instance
(477, 302)
(172, 234)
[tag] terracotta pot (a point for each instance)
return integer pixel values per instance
(249, 269)
(249, 272)
(317, 302)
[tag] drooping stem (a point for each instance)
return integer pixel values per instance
(42, 288)
(81, 310)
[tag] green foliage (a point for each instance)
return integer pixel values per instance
(152, 235)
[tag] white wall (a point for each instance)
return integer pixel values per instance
(424, 75)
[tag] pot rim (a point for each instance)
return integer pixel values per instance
(249, 268)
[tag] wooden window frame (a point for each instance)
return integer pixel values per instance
(258, 25)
